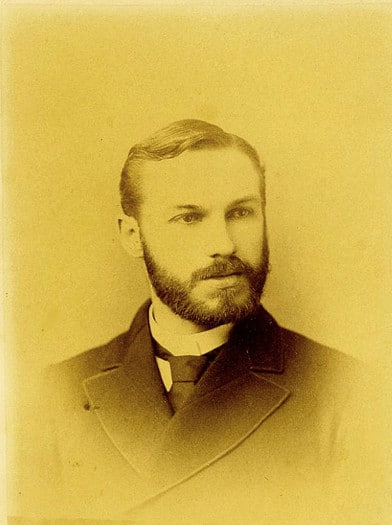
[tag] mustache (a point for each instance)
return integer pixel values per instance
(222, 268)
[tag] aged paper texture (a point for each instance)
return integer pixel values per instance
(308, 85)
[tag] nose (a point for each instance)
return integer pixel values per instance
(218, 239)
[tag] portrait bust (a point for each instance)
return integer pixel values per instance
(246, 244)
(206, 406)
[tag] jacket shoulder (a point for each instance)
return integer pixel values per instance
(278, 350)
(298, 347)
(104, 357)
(318, 370)
(91, 361)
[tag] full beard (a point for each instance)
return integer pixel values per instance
(228, 308)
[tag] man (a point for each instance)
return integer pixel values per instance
(205, 409)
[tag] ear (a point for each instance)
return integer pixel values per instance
(130, 236)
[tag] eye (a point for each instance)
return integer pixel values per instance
(187, 218)
(240, 213)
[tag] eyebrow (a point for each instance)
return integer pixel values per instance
(242, 200)
(248, 198)
(188, 207)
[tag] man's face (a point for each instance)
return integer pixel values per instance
(203, 234)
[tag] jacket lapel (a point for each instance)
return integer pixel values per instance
(129, 398)
(230, 401)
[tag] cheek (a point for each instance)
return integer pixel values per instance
(168, 241)
(172, 252)
(248, 239)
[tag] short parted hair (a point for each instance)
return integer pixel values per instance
(171, 141)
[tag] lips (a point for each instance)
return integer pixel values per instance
(222, 269)
(222, 275)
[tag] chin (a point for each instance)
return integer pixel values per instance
(221, 310)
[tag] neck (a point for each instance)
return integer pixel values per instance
(172, 322)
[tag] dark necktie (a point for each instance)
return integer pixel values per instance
(185, 371)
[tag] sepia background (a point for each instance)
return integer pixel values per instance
(308, 86)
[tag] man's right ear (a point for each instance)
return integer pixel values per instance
(130, 235)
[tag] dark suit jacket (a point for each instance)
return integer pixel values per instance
(260, 435)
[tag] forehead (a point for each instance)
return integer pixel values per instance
(201, 177)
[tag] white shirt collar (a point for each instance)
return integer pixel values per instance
(191, 344)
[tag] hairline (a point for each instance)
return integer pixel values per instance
(172, 141)
(138, 162)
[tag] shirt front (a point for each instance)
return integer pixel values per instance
(199, 343)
